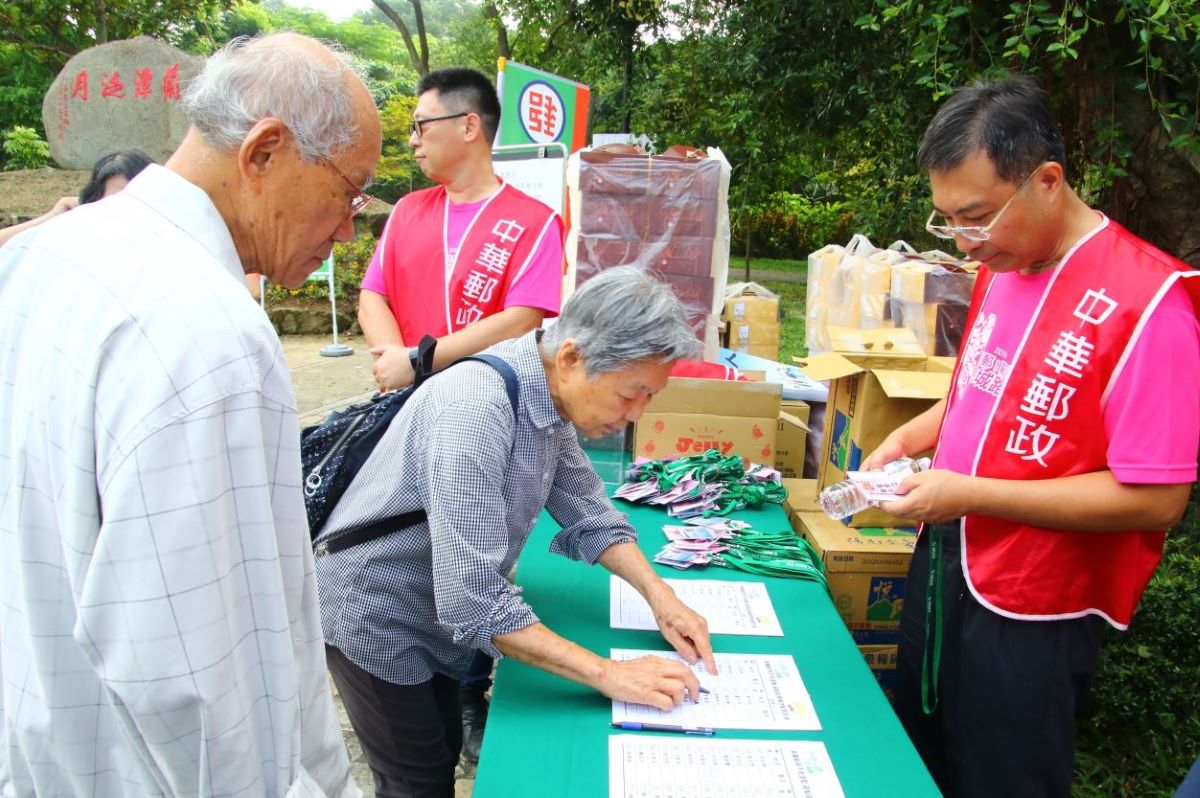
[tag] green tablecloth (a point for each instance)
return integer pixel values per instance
(547, 736)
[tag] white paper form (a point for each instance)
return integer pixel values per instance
(731, 608)
(661, 767)
(751, 691)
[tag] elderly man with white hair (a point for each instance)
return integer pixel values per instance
(159, 632)
(404, 612)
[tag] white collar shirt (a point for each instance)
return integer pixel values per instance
(159, 632)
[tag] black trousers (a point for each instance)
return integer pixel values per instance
(1009, 689)
(411, 734)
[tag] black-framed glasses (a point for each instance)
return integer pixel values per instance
(974, 233)
(416, 128)
(361, 198)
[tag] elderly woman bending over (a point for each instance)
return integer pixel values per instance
(404, 613)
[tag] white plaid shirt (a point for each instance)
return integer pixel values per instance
(419, 601)
(158, 611)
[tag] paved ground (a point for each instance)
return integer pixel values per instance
(323, 384)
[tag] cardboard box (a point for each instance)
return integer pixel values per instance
(801, 498)
(791, 437)
(751, 317)
(867, 570)
(690, 416)
(871, 393)
(882, 662)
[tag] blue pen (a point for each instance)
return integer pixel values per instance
(629, 725)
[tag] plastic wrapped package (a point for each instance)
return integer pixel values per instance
(860, 286)
(668, 215)
(930, 297)
(821, 267)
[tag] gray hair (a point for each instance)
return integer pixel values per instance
(621, 317)
(251, 79)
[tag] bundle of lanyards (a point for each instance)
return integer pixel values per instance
(700, 489)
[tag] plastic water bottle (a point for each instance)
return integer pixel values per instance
(852, 496)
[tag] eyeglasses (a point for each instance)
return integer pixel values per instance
(416, 127)
(361, 199)
(974, 232)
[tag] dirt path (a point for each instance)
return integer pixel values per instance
(27, 193)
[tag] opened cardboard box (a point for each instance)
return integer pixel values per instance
(791, 437)
(872, 391)
(690, 416)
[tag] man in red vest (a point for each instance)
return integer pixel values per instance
(1066, 447)
(471, 261)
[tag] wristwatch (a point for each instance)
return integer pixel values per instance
(414, 355)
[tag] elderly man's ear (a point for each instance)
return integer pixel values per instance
(262, 145)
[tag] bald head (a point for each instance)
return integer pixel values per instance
(305, 84)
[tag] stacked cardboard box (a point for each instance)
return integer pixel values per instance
(882, 662)
(751, 318)
(867, 569)
(691, 416)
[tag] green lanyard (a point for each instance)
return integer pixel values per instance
(783, 554)
(931, 656)
(708, 466)
(711, 468)
(739, 496)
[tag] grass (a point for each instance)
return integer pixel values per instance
(737, 267)
(791, 324)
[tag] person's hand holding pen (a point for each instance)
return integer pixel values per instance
(649, 680)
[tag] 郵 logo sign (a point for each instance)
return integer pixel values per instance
(541, 112)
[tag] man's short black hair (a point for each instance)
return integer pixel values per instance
(1009, 119)
(465, 90)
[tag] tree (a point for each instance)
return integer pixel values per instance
(1125, 75)
(418, 58)
(51, 31)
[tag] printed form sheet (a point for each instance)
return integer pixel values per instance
(731, 608)
(661, 767)
(751, 691)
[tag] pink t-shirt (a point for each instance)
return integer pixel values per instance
(1152, 419)
(539, 286)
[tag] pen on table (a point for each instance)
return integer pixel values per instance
(629, 725)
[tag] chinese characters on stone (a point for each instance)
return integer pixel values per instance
(113, 87)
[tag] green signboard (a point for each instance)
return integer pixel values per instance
(540, 108)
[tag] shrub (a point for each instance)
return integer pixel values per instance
(350, 264)
(1140, 731)
(24, 149)
(791, 225)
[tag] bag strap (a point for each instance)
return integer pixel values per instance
(394, 523)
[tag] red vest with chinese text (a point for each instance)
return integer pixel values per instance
(1047, 423)
(430, 293)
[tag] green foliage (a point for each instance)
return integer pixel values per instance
(1141, 731)
(397, 173)
(789, 225)
(1109, 62)
(52, 31)
(24, 149)
(350, 259)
